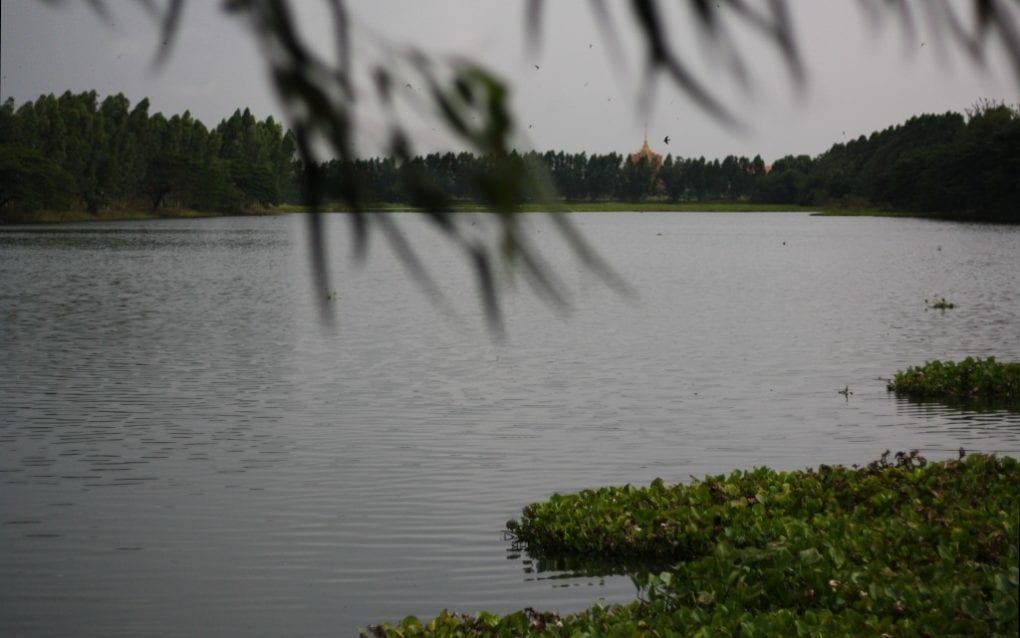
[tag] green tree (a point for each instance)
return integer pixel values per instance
(116, 148)
(638, 179)
(789, 182)
(111, 155)
(30, 181)
(984, 164)
(944, 164)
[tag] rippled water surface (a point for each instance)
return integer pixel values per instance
(185, 450)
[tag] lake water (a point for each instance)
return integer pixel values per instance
(186, 450)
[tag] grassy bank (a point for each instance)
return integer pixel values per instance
(118, 214)
(899, 547)
(579, 207)
(970, 379)
(865, 212)
(675, 207)
(467, 207)
(624, 207)
(879, 212)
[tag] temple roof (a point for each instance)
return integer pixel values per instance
(647, 153)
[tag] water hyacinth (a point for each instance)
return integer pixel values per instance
(972, 378)
(940, 304)
(898, 547)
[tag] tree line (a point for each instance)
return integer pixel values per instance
(575, 177)
(77, 152)
(955, 165)
(959, 165)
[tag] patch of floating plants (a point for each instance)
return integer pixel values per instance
(939, 304)
(971, 379)
(900, 546)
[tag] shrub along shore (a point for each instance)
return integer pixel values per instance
(898, 547)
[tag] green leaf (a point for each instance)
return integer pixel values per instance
(809, 556)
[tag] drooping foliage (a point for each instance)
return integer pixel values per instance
(75, 151)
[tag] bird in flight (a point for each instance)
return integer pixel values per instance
(666, 140)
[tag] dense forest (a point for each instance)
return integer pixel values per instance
(75, 152)
(952, 165)
(965, 166)
(577, 177)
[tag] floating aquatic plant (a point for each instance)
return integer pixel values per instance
(939, 304)
(972, 378)
(898, 547)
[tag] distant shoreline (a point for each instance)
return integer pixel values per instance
(579, 207)
(53, 217)
(120, 215)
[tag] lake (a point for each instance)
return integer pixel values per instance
(187, 449)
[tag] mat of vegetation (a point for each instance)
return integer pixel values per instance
(898, 548)
(981, 379)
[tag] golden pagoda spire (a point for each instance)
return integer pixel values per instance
(647, 153)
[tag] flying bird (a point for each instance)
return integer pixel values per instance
(666, 140)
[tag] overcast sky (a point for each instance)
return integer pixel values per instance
(861, 77)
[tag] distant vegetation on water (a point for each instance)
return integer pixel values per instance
(75, 152)
(970, 379)
(894, 548)
(940, 304)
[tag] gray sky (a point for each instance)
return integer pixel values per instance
(861, 77)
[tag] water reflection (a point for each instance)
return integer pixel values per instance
(973, 422)
(1007, 412)
(586, 567)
